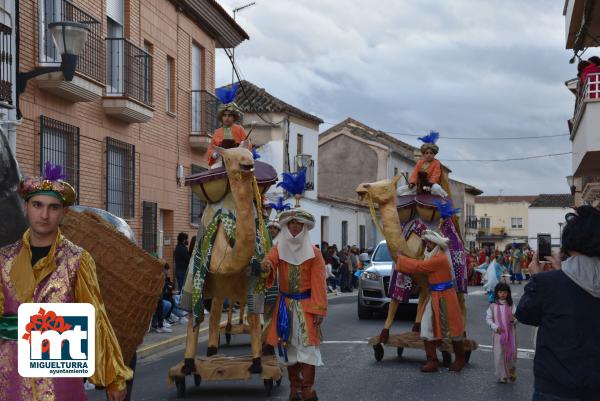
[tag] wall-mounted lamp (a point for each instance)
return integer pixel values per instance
(69, 38)
(571, 183)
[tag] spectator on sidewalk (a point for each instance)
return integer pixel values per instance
(164, 307)
(182, 259)
(565, 304)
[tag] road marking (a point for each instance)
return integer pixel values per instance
(345, 342)
(522, 353)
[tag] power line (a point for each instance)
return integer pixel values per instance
(509, 159)
(471, 138)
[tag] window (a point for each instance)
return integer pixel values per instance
(197, 206)
(170, 93)
(120, 178)
(344, 233)
(149, 226)
(516, 222)
(6, 61)
(362, 234)
(59, 144)
(484, 222)
(395, 171)
(196, 88)
(300, 144)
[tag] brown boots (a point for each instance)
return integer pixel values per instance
(302, 379)
(295, 381)
(433, 363)
(308, 380)
(459, 353)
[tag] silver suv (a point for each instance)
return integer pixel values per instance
(374, 283)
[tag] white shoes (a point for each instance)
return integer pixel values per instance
(164, 329)
(166, 324)
(183, 320)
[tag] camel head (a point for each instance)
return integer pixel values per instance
(237, 160)
(380, 191)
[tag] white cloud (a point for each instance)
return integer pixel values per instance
(464, 68)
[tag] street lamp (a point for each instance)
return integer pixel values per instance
(69, 38)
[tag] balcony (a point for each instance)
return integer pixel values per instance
(88, 82)
(582, 24)
(584, 133)
(590, 192)
(471, 223)
(307, 162)
(203, 118)
(6, 67)
(128, 82)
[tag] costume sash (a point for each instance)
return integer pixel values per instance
(446, 285)
(8, 328)
(507, 340)
(283, 320)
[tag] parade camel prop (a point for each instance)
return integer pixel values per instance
(227, 277)
(383, 193)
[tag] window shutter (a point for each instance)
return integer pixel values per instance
(115, 11)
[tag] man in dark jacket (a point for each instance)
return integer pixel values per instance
(565, 304)
(182, 258)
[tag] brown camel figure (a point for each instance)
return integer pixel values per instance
(383, 193)
(227, 277)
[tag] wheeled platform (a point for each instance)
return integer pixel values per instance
(412, 339)
(221, 367)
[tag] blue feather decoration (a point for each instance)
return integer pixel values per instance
(280, 206)
(255, 154)
(294, 183)
(445, 208)
(432, 137)
(226, 94)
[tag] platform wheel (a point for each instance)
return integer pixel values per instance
(197, 380)
(278, 381)
(446, 359)
(268, 386)
(180, 384)
(228, 338)
(467, 356)
(399, 351)
(378, 352)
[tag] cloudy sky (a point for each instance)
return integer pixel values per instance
(465, 68)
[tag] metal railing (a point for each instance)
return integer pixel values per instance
(90, 59)
(6, 63)
(128, 70)
(203, 112)
(471, 222)
(588, 92)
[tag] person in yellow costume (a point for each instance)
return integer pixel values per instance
(45, 267)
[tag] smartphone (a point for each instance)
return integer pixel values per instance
(544, 243)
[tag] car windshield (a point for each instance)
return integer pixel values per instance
(382, 254)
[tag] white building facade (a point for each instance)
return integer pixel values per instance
(546, 214)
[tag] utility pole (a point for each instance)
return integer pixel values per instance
(235, 11)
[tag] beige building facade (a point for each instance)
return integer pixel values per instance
(127, 127)
(503, 220)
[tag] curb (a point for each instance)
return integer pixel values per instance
(151, 349)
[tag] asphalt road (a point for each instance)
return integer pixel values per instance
(351, 372)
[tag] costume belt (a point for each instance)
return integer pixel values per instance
(283, 320)
(446, 285)
(8, 328)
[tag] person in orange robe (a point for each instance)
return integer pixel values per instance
(230, 134)
(442, 317)
(428, 168)
(294, 328)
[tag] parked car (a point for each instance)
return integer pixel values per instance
(374, 283)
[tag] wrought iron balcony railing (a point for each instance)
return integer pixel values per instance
(203, 112)
(90, 61)
(6, 66)
(128, 71)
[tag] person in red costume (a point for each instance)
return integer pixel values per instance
(230, 134)
(428, 170)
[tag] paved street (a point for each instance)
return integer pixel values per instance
(351, 372)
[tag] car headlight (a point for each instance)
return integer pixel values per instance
(370, 276)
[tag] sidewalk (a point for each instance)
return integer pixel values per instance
(156, 342)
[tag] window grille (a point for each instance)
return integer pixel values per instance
(120, 178)
(59, 144)
(6, 66)
(344, 233)
(149, 226)
(197, 206)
